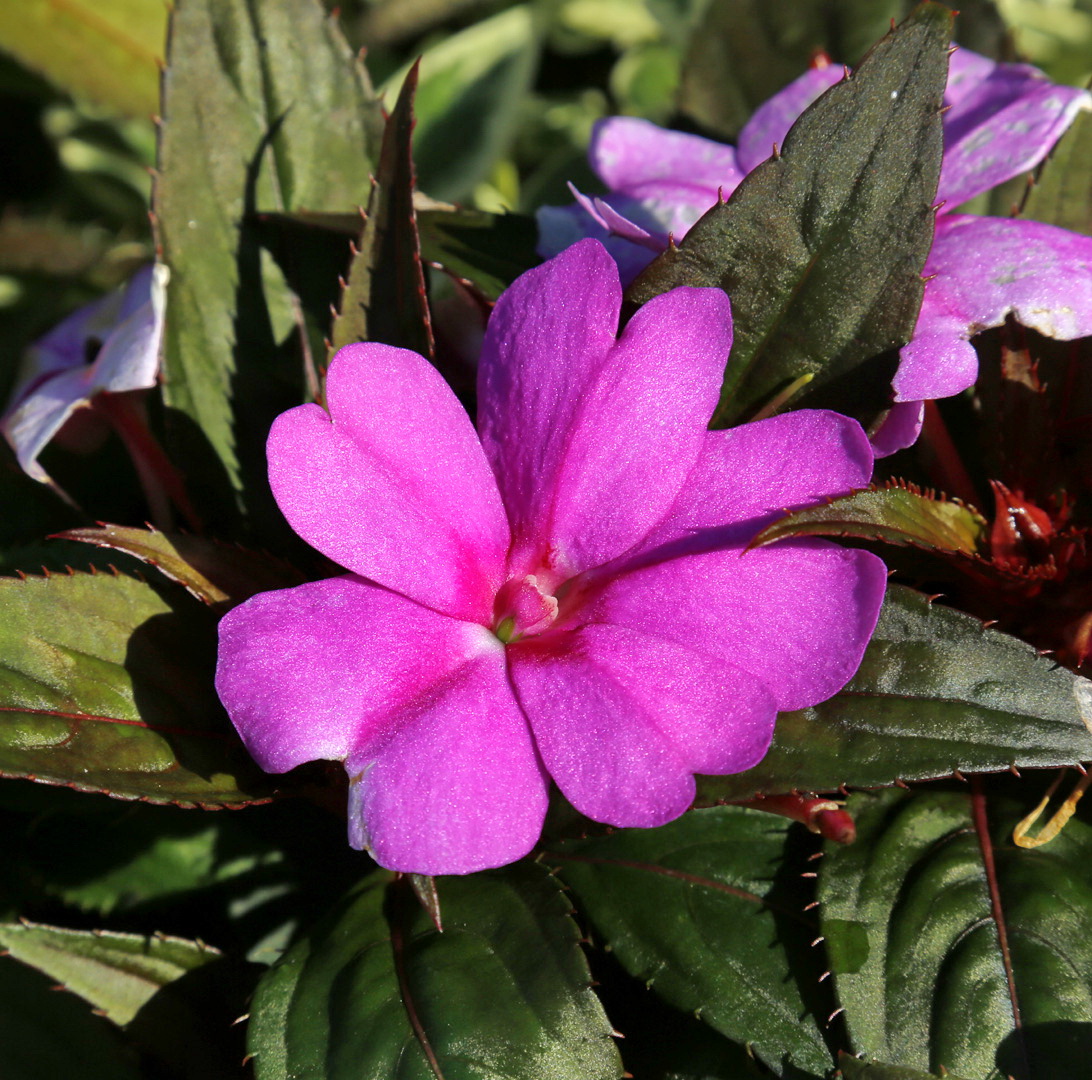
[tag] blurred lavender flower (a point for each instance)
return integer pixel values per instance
(108, 346)
(1002, 120)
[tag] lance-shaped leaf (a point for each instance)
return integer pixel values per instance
(821, 248)
(117, 974)
(376, 990)
(384, 298)
(215, 573)
(696, 909)
(105, 50)
(935, 693)
(952, 947)
(473, 86)
(104, 686)
(896, 513)
(264, 108)
(1062, 193)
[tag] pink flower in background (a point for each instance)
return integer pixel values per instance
(1002, 120)
(111, 345)
(563, 594)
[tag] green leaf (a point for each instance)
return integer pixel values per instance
(1062, 192)
(468, 105)
(214, 573)
(105, 50)
(486, 251)
(105, 687)
(854, 1069)
(375, 990)
(936, 692)
(117, 974)
(264, 109)
(821, 248)
(384, 298)
(692, 909)
(914, 931)
(45, 1034)
(895, 514)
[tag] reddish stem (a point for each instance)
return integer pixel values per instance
(942, 458)
(161, 481)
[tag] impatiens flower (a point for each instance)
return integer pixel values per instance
(110, 345)
(1002, 120)
(563, 595)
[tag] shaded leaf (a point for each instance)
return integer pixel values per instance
(743, 51)
(105, 50)
(854, 1069)
(105, 687)
(821, 249)
(117, 974)
(264, 109)
(212, 572)
(708, 910)
(1062, 192)
(486, 251)
(375, 990)
(384, 298)
(895, 514)
(43, 1033)
(472, 87)
(919, 964)
(936, 692)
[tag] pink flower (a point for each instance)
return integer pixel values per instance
(562, 595)
(111, 345)
(1002, 120)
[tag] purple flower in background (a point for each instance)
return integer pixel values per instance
(1002, 120)
(562, 594)
(110, 345)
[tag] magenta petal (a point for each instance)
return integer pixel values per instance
(623, 720)
(772, 119)
(458, 787)
(796, 615)
(986, 268)
(747, 473)
(392, 484)
(639, 159)
(591, 439)
(900, 428)
(317, 671)
(1004, 119)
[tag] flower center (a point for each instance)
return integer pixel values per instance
(522, 608)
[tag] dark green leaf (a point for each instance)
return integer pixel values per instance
(1062, 193)
(384, 298)
(854, 1069)
(117, 974)
(212, 572)
(264, 109)
(915, 944)
(468, 107)
(821, 249)
(105, 687)
(46, 1035)
(936, 692)
(487, 251)
(106, 50)
(699, 909)
(895, 514)
(375, 990)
